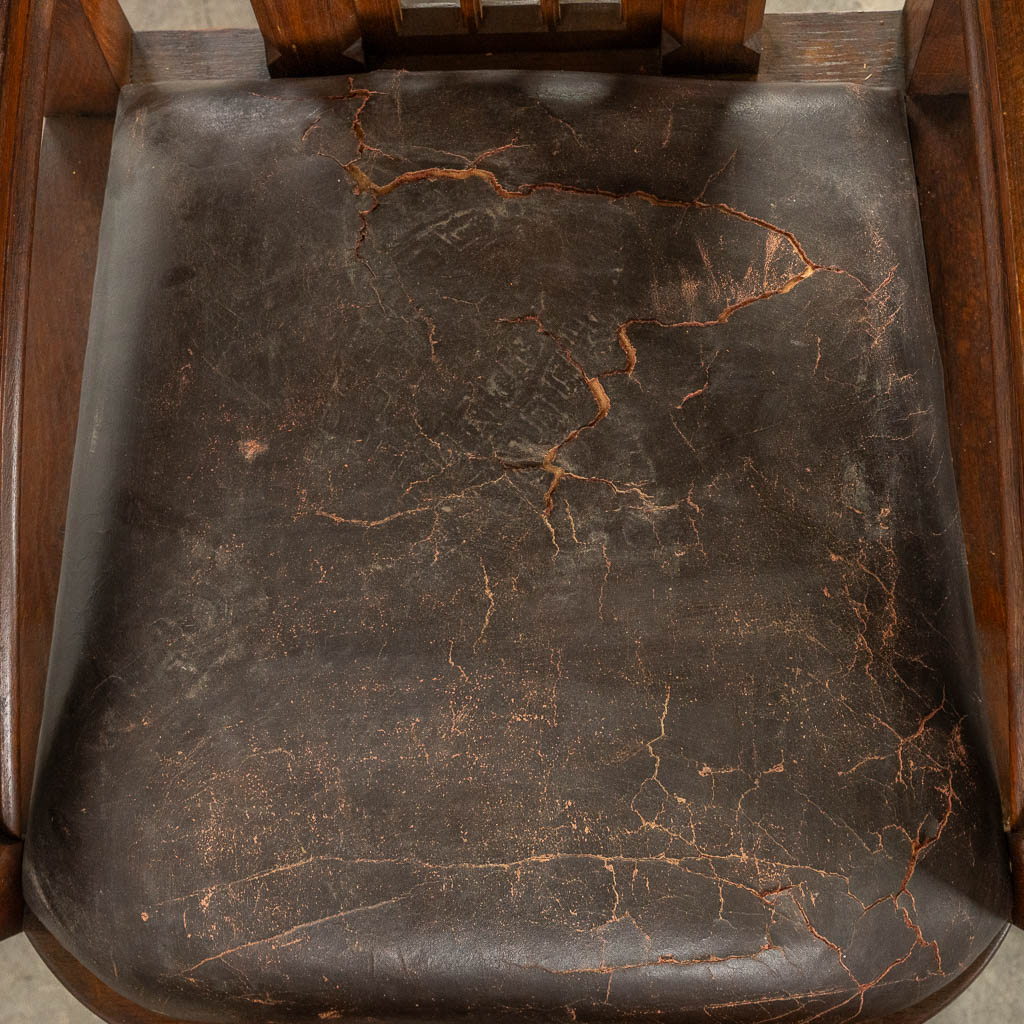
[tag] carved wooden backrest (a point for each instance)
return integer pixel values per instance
(708, 35)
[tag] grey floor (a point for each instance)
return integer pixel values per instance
(28, 992)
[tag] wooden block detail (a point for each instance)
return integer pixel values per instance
(933, 39)
(713, 36)
(550, 13)
(308, 38)
(113, 34)
(80, 78)
(472, 14)
(379, 22)
(642, 17)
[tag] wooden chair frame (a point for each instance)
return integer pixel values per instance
(63, 63)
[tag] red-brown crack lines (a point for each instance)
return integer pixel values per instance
(772, 899)
(601, 401)
(363, 185)
(553, 464)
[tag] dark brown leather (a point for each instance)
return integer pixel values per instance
(513, 569)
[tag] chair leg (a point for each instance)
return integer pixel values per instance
(11, 904)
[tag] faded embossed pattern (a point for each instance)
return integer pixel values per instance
(514, 569)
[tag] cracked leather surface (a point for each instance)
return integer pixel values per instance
(513, 568)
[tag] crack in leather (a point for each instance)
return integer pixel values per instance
(525, 595)
(363, 184)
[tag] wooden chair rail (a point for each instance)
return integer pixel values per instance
(25, 40)
(970, 163)
(91, 46)
(854, 48)
(994, 34)
(26, 36)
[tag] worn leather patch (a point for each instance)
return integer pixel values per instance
(513, 569)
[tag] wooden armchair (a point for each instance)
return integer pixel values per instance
(513, 568)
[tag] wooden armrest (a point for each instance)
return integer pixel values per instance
(87, 44)
(23, 47)
(23, 50)
(973, 207)
(994, 33)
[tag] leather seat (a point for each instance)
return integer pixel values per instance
(513, 568)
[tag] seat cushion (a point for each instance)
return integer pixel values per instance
(513, 569)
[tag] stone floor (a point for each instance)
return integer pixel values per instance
(28, 992)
